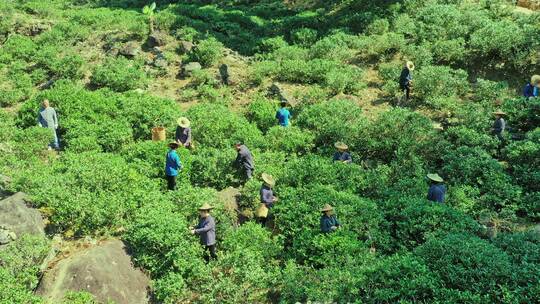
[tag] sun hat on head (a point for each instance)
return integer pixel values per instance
(410, 65)
(268, 179)
(435, 177)
(535, 79)
(340, 145)
(183, 122)
(499, 112)
(205, 206)
(173, 145)
(437, 126)
(327, 207)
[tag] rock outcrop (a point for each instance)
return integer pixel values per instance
(105, 271)
(17, 218)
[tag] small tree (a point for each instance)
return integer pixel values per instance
(149, 10)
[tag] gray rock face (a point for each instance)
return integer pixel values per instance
(130, 49)
(157, 39)
(105, 271)
(18, 218)
(160, 61)
(186, 47)
(188, 68)
(277, 91)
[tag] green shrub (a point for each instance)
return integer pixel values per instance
(290, 140)
(438, 81)
(304, 36)
(207, 52)
(269, 45)
(119, 74)
(262, 112)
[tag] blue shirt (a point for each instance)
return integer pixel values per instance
(530, 91)
(327, 222)
(343, 157)
(206, 229)
(267, 196)
(172, 163)
(283, 115)
(436, 193)
(47, 118)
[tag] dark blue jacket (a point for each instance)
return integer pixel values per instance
(343, 157)
(436, 193)
(206, 229)
(327, 222)
(529, 91)
(405, 78)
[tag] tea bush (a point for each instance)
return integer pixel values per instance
(118, 74)
(207, 52)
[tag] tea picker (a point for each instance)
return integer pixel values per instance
(267, 198)
(405, 79)
(329, 221)
(342, 155)
(437, 190)
(244, 159)
(206, 229)
(499, 126)
(532, 89)
(47, 118)
(183, 132)
(172, 166)
(283, 115)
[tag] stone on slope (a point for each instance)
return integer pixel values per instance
(105, 271)
(188, 69)
(18, 218)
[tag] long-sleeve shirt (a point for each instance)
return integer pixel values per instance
(283, 115)
(436, 193)
(172, 163)
(499, 126)
(405, 78)
(530, 90)
(267, 196)
(244, 158)
(327, 222)
(183, 135)
(47, 118)
(343, 157)
(206, 229)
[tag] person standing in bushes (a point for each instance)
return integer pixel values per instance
(405, 79)
(499, 126)
(267, 198)
(437, 190)
(532, 89)
(47, 118)
(206, 229)
(341, 154)
(183, 132)
(172, 166)
(283, 115)
(244, 159)
(329, 222)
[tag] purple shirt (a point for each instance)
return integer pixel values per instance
(183, 135)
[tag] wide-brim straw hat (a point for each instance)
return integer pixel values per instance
(327, 207)
(341, 146)
(435, 177)
(268, 179)
(410, 65)
(437, 126)
(205, 206)
(535, 79)
(499, 112)
(173, 145)
(183, 122)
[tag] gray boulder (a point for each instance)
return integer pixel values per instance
(185, 47)
(18, 218)
(188, 69)
(277, 91)
(130, 49)
(157, 39)
(105, 271)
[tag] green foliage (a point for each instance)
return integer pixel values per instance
(262, 112)
(291, 140)
(207, 52)
(80, 297)
(118, 74)
(439, 81)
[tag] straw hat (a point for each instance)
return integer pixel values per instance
(327, 207)
(173, 145)
(205, 206)
(499, 112)
(535, 79)
(435, 177)
(268, 179)
(183, 122)
(341, 146)
(410, 65)
(438, 126)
